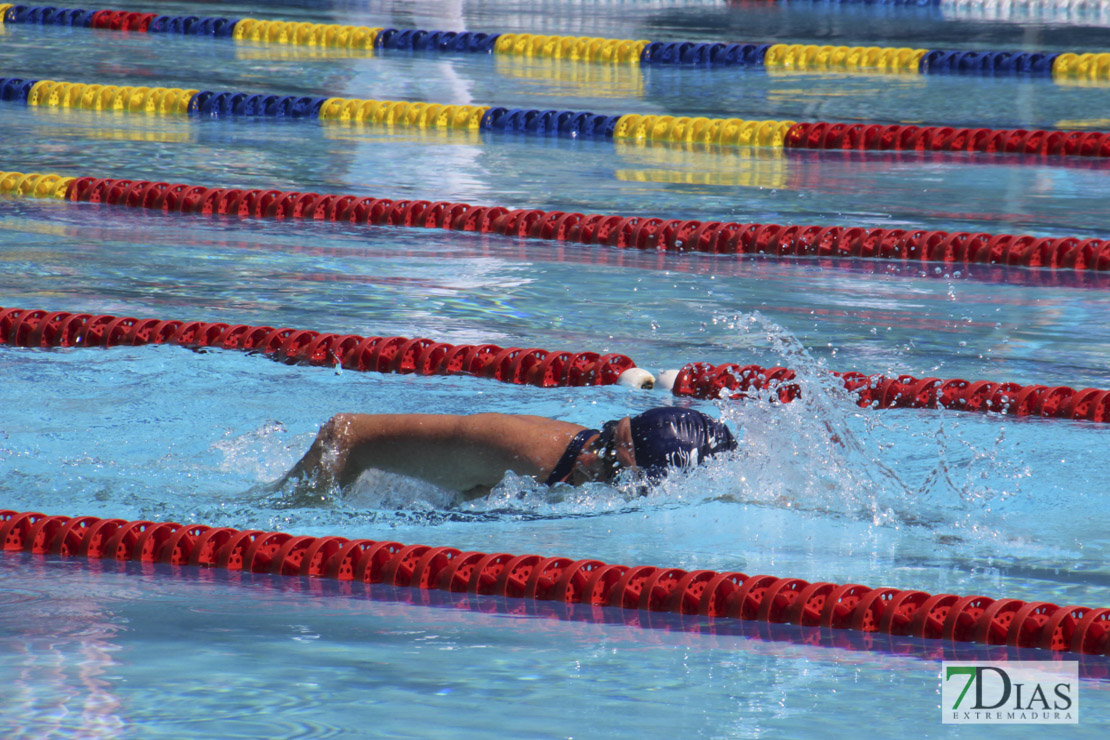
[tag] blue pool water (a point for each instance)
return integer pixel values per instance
(821, 490)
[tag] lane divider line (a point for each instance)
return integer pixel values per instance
(716, 595)
(538, 367)
(1093, 66)
(910, 246)
(640, 129)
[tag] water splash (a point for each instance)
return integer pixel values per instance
(824, 450)
(252, 453)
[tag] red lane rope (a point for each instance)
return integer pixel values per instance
(728, 595)
(678, 235)
(538, 367)
(23, 328)
(735, 381)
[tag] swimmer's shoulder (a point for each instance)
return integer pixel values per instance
(527, 425)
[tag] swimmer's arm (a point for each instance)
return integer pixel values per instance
(462, 453)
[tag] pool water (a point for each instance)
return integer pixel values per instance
(820, 489)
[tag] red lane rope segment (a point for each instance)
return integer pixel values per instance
(679, 235)
(728, 595)
(897, 137)
(735, 381)
(24, 328)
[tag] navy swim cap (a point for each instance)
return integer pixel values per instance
(666, 436)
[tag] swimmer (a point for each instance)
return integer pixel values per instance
(472, 453)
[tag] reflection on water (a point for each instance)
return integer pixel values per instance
(702, 164)
(561, 77)
(59, 673)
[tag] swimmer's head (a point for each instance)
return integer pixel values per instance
(663, 438)
(673, 437)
